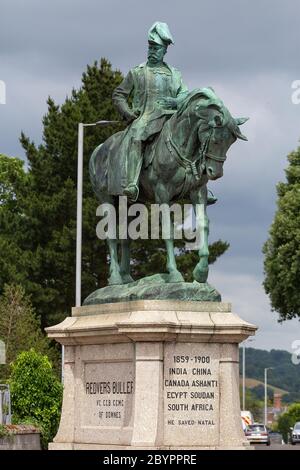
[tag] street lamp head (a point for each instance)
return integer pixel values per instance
(100, 123)
(106, 123)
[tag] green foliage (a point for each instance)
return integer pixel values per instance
(4, 432)
(13, 184)
(259, 393)
(285, 374)
(20, 328)
(12, 178)
(255, 405)
(36, 393)
(288, 419)
(282, 250)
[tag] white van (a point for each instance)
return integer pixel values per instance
(247, 419)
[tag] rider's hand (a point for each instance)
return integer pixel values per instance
(168, 103)
(131, 116)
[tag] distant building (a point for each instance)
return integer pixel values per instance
(276, 410)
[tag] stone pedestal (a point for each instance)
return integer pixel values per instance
(151, 374)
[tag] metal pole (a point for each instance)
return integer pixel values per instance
(9, 405)
(62, 364)
(79, 214)
(81, 126)
(78, 231)
(244, 372)
(266, 410)
(1, 411)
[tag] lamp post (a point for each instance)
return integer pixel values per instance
(266, 394)
(81, 127)
(244, 372)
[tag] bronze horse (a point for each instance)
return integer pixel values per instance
(190, 150)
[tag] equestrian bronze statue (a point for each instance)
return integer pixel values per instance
(175, 142)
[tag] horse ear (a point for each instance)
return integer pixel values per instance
(240, 135)
(241, 120)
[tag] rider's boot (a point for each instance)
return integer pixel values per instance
(135, 162)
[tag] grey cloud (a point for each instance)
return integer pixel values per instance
(248, 300)
(230, 36)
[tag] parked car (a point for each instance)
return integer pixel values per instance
(257, 433)
(276, 437)
(295, 437)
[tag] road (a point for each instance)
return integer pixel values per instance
(277, 447)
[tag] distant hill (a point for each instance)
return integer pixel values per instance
(254, 383)
(285, 376)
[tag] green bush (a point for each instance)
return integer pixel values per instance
(36, 393)
(4, 432)
(20, 328)
(288, 419)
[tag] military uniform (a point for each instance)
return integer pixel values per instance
(148, 85)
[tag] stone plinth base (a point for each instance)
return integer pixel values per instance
(151, 374)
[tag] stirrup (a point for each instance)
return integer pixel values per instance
(132, 192)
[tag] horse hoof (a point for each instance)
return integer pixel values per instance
(200, 275)
(115, 279)
(127, 278)
(175, 276)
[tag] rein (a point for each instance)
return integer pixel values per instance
(191, 167)
(189, 164)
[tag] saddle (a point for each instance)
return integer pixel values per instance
(117, 149)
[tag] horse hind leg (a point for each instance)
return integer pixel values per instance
(125, 261)
(115, 277)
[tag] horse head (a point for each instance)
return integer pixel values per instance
(217, 129)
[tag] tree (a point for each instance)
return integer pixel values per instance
(254, 404)
(282, 249)
(20, 328)
(36, 393)
(285, 375)
(288, 419)
(13, 260)
(49, 231)
(45, 235)
(12, 177)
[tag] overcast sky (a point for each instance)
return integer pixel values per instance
(248, 50)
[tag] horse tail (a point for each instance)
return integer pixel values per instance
(92, 167)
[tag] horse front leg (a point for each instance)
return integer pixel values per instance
(199, 199)
(168, 235)
(114, 267)
(174, 274)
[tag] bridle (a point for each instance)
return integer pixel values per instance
(192, 166)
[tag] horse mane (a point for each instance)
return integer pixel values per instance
(209, 99)
(207, 94)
